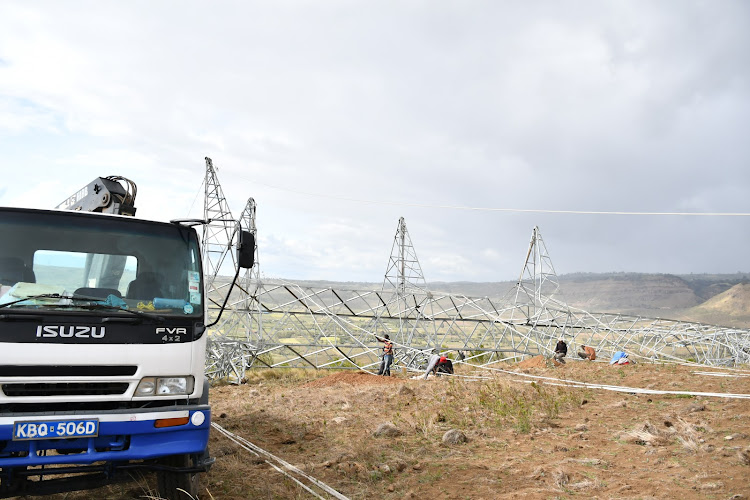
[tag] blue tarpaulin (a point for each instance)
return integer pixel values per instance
(616, 357)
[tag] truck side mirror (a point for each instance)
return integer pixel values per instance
(246, 250)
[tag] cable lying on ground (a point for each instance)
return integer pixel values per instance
(283, 467)
(615, 388)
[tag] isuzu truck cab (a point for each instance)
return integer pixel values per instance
(102, 352)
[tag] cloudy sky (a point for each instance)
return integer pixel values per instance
(339, 117)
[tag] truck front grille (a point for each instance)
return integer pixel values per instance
(90, 406)
(67, 370)
(65, 389)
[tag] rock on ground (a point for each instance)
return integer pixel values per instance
(387, 429)
(454, 436)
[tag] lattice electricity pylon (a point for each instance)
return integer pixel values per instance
(537, 297)
(538, 286)
(404, 274)
(230, 347)
(218, 236)
(241, 314)
(411, 304)
(246, 308)
(231, 350)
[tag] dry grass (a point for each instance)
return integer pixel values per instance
(538, 441)
(688, 435)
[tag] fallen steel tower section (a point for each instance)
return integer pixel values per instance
(275, 323)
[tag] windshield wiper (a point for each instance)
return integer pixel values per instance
(94, 304)
(100, 305)
(32, 297)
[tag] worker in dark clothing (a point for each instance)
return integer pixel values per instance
(561, 350)
(385, 364)
(444, 365)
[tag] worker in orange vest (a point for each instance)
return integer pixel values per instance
(385, 364)
(587, 352)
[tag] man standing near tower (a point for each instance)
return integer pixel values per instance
(385, 364)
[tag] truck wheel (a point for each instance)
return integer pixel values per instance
(177, 485)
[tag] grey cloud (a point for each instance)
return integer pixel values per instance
(573, 105)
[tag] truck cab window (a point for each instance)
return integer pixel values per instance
(75, 271)
(129, 264)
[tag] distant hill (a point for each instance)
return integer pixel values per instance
(628, 293)
(730, 308)
(636, 293)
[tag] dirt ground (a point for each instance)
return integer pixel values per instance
(522, 440)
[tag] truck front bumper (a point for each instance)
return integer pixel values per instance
(124, 435)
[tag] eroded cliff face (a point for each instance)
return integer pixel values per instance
(621, 292)
(629, 293)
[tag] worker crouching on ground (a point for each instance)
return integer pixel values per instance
(561, 350)
(587, 352)
(432, 363)
(444, 365)
(385, 364)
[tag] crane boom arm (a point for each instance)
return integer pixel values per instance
(104, 195)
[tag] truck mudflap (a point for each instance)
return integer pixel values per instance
(119, 436)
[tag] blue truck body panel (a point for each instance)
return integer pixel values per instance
(119, 441)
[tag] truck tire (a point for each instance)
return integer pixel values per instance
(177, 485)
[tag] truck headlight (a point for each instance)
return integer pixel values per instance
(165, 386)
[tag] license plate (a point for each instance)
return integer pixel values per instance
(55, 429)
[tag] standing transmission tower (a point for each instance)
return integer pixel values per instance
(230, 347)
(218, 236)
(538, 286)
(537, 298)
(410, 302)
(404, 272)
(245, 309)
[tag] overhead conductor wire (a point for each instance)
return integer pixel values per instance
(498, 209)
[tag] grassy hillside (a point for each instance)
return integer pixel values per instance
(730, 308)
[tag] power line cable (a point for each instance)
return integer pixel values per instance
(498, 209)
(200, 189)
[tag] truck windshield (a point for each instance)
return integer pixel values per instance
(54, 257)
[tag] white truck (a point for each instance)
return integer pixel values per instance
(102, 346)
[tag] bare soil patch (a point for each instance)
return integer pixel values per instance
(535, 362)
(523, 440)
(352, 378)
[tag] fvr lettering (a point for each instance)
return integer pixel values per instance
(171, 331)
